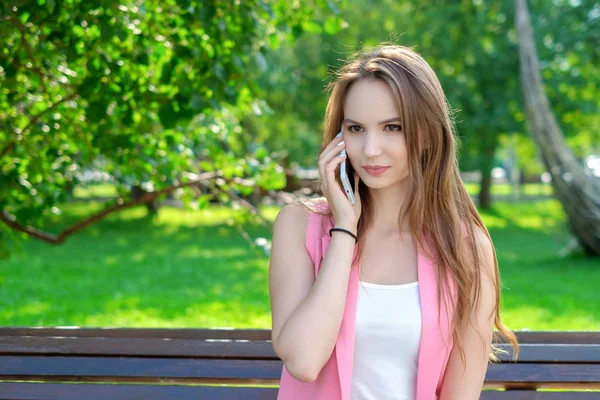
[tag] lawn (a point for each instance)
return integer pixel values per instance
(189, 268)
(498, 189)
(505, 189)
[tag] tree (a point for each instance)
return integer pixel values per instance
(146, 91)
(578, 192)
(472, 46)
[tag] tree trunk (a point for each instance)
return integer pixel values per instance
(485, 189)
(485, 185)
(152, 205)
(578, 192)
(514, 173)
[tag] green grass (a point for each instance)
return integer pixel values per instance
(191, 269)
(541, 290)
(500, 189)
(505, 189)
(180, 271)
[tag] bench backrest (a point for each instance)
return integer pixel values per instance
(183, 363)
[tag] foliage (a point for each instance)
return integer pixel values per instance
(472, 48)
(144, 91)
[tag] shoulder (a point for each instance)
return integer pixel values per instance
(482, 242)
(318, 205)
(293, 212)
(292, 220)
(303, 221)
(482, 247)
(476, 235)
(479, 249)
(300, 212)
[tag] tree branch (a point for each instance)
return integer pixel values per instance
(24, 42)
(119, 205)
(11, 221)
(244, 203)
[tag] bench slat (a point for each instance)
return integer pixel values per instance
(221, 348)
(135, 333)
(176, 369)
(541, 337)
(557, 337)
(59, 391)
(553, 353)
(582, 353)
(571, 374)
(533, 395)
(106, 369)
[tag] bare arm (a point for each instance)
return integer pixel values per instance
(306, 313)
(461, 381)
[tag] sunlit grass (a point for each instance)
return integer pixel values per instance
(505, 189)
(189, 268)
(502, 189)
(541, 289)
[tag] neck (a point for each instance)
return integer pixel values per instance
(388, 202)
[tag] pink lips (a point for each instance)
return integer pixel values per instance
(376, 171)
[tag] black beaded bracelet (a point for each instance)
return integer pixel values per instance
(344, 230)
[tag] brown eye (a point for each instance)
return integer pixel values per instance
(395, 127)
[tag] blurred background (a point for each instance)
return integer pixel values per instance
(147, 146)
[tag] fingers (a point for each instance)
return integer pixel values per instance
(330, 152)
(332, 166)
(334, 142)
(332, 147)
(334, 190)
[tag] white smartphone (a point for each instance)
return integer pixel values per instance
(347, 174)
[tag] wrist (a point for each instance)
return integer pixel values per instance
(348, 227)
(348, 224)
(343, 231)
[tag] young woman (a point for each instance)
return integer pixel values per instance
(400, 300)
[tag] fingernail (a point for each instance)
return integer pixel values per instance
(340, 143)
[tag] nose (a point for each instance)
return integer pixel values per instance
(372, 145)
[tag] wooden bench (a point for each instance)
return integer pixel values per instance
(119, 364)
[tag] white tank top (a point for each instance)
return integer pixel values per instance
(387, 338)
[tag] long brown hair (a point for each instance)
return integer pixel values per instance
(440, 213)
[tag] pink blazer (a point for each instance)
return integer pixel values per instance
(334, 380)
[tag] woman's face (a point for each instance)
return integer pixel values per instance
(374, 134)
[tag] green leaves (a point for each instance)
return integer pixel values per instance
(24, 17)
(333, 24)
(95, 111)
(139, 95)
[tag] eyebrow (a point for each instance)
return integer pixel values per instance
(380, 123)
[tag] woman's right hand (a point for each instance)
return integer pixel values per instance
(345, 213)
